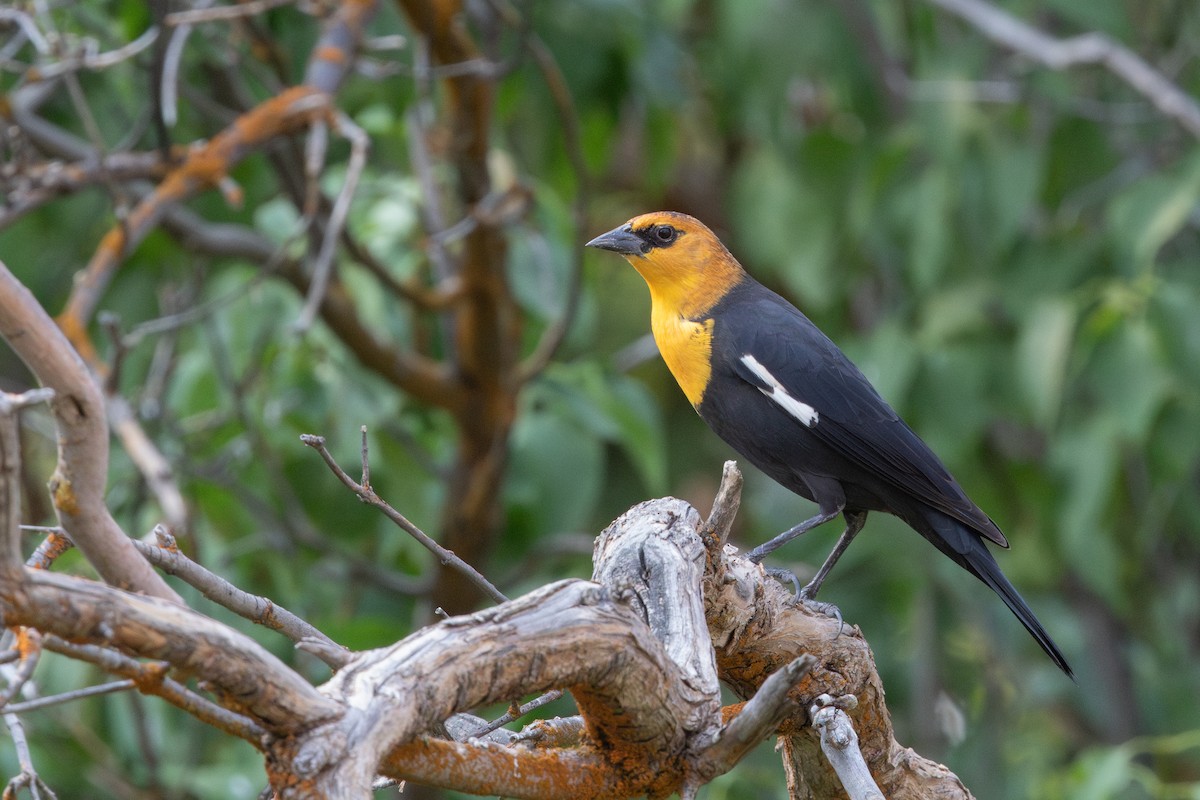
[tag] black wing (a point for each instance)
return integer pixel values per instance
(852, 417)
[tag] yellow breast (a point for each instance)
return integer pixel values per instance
(686, 346)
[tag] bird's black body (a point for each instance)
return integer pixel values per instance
(857, 453)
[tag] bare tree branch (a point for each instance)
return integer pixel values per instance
(150, 677)
(77, 486)
(756, 629)
(166, 556)
(839, 742)
(1089, 48)
(112, 687)
(367, 494)
(79, 610)
(28, 777)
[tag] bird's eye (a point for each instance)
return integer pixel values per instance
(665, 234)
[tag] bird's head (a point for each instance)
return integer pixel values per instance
(684, 263)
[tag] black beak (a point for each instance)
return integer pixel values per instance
(620, 240)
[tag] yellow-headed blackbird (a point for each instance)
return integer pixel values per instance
(774, 387)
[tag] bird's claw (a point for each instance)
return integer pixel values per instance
(806, 596)
(786, 576)
(828, 609)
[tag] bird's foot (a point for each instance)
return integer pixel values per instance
(806, 596)
(786, 576)
(819, 607)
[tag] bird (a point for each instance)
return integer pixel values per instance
(769, 383)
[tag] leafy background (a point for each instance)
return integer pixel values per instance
(1012, 254)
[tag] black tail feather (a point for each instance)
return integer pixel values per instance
(967, 548)
(983, 565)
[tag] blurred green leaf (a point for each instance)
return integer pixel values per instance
(1087, 459)
(555, 474)
(1043, 355)
(928, 202)
(1152, 211)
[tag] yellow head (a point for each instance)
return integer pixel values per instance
(685, 265)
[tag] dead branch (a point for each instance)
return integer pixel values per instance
(78, 610)
(756, 629)
(366, 493)
(839, 743)
(570, 633)
(167, 556)
(636, 649)
(1089, 48)
(77, 487)
(28, 777)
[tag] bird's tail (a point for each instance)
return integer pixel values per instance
(983, 565)
(967, 548)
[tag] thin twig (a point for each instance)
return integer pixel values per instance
(69, 697)
(323, 265)
(166, 556)
(367, 495)
(29, 647)
(151, 678)
(248, 9)
(90, 60)
(28, 778)
(1089, 48)
(10, 403)
(510, 716)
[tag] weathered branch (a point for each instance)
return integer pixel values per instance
(77, 486)
(757, 629)
(638, 557)
(79, 610)
(634, 652)
(570, 633)
(636, 649)
(839, 743)
(167, 556)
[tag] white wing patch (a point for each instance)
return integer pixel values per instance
(805, 413)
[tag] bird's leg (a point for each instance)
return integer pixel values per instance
(763, 550)
(854, 523)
